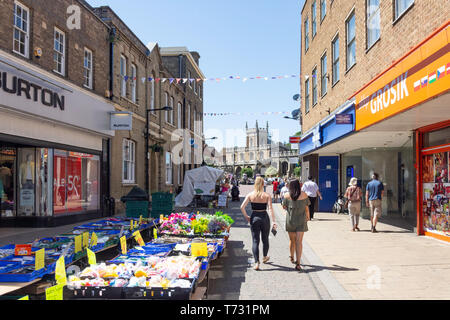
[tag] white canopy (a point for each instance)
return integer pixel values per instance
(199, 175)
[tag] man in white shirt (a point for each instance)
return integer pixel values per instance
(312, 190)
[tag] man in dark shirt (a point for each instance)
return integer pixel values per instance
(374, 195)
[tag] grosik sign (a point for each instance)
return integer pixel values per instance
(344, 119)
(17, 86)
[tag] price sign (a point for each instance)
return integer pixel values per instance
(78, 243)
(60, 271)
(92, 259)
(155, 233)
(138, 237)
(25, 298)
(140, 220)
(22, 250)
(54, 293)
(85, 239)
(199, 249)
(161, 217)
(131, 224)
(39, 259)
(123, 244)
(94, 240)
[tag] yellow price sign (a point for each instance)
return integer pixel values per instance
(54, 293)
(25, 298)
(85, 239)
(78, 243)
(60, 271)
(140, 220)
(123, 244)
(39, 259)
(199, 249)
(155, 233)
(137, 235)
(92, 259)
(94, 239)
(161, 217)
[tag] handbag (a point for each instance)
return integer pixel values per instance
(351, 195)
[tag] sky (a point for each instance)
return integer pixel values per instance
(246, 38)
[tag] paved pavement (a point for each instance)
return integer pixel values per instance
(339, 264)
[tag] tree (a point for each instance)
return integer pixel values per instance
(248, 172)
(297, 171)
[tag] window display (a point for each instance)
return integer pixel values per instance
(436, 192)
(7, 181)
(76, 182)
(27, 181)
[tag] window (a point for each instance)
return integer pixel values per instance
(88, 68)
(171, 112)
(306, 35)
(169, 168)
(188, 117)
(351, 45)
(166, 113)
(401, 6)
(152, 94)
(123, 74)
(323, 75)
(129, 156)
(314, 87)
(323, 9)
(335, 49)
(189, 79)
(307, 96)
(179, 115)
(373, 22)
(21, 40)
(193, 86)
(313, 19)
(200, 91)
(133, 83)
(59, 52)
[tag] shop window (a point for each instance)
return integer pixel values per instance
(21, 39)
(27, 181)
(437, 138)
(76, 182)
(7, 182)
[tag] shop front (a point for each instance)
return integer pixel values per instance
(402, 133)
(54, 148)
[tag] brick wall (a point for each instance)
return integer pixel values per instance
(396, 39)
(43, 20)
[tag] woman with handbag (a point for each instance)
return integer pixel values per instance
(353, 203)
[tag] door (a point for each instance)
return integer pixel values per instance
(328, 182)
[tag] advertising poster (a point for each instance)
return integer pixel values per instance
(428, 169)
(441, 167)
(74, 189)
(59, 185)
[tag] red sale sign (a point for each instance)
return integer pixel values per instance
(67, 190)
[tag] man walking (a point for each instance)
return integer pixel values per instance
(312, 190)
(374, 195)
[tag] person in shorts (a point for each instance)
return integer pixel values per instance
(276, 193)
(374, 195)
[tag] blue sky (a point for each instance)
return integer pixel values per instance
(246, 38)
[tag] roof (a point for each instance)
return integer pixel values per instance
(175, 51)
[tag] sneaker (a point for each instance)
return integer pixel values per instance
(256, 266)
(357, 229)
(374, 230)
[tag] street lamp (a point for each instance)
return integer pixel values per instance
(213, 138)
(147, 146)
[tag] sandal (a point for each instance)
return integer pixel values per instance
(292, 260)
(297, 267)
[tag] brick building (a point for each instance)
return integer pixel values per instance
(54, 117)
(368, 105)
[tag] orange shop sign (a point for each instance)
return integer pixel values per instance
(422, 74)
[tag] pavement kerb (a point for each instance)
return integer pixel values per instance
(334, 288)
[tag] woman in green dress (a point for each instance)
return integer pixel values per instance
(296, 205)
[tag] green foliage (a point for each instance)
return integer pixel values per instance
(248, 172)
(297, 171)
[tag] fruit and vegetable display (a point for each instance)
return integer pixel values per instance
(196, 224)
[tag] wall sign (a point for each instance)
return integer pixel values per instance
(344, 119)
(121, 121)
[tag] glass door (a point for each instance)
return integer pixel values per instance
(27, 182)
(7, 182)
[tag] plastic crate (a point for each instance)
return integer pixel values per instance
(135, 209)
(22, 277)
(94, 293)
(158, 293)
(7, 266)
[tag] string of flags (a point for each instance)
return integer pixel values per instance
(246, 113)
(184, 80)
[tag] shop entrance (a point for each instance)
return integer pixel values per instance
(7, 181)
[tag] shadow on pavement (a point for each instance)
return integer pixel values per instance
(314, 268)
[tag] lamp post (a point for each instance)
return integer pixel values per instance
(147, 146)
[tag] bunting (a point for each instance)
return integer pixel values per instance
(217, 80)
